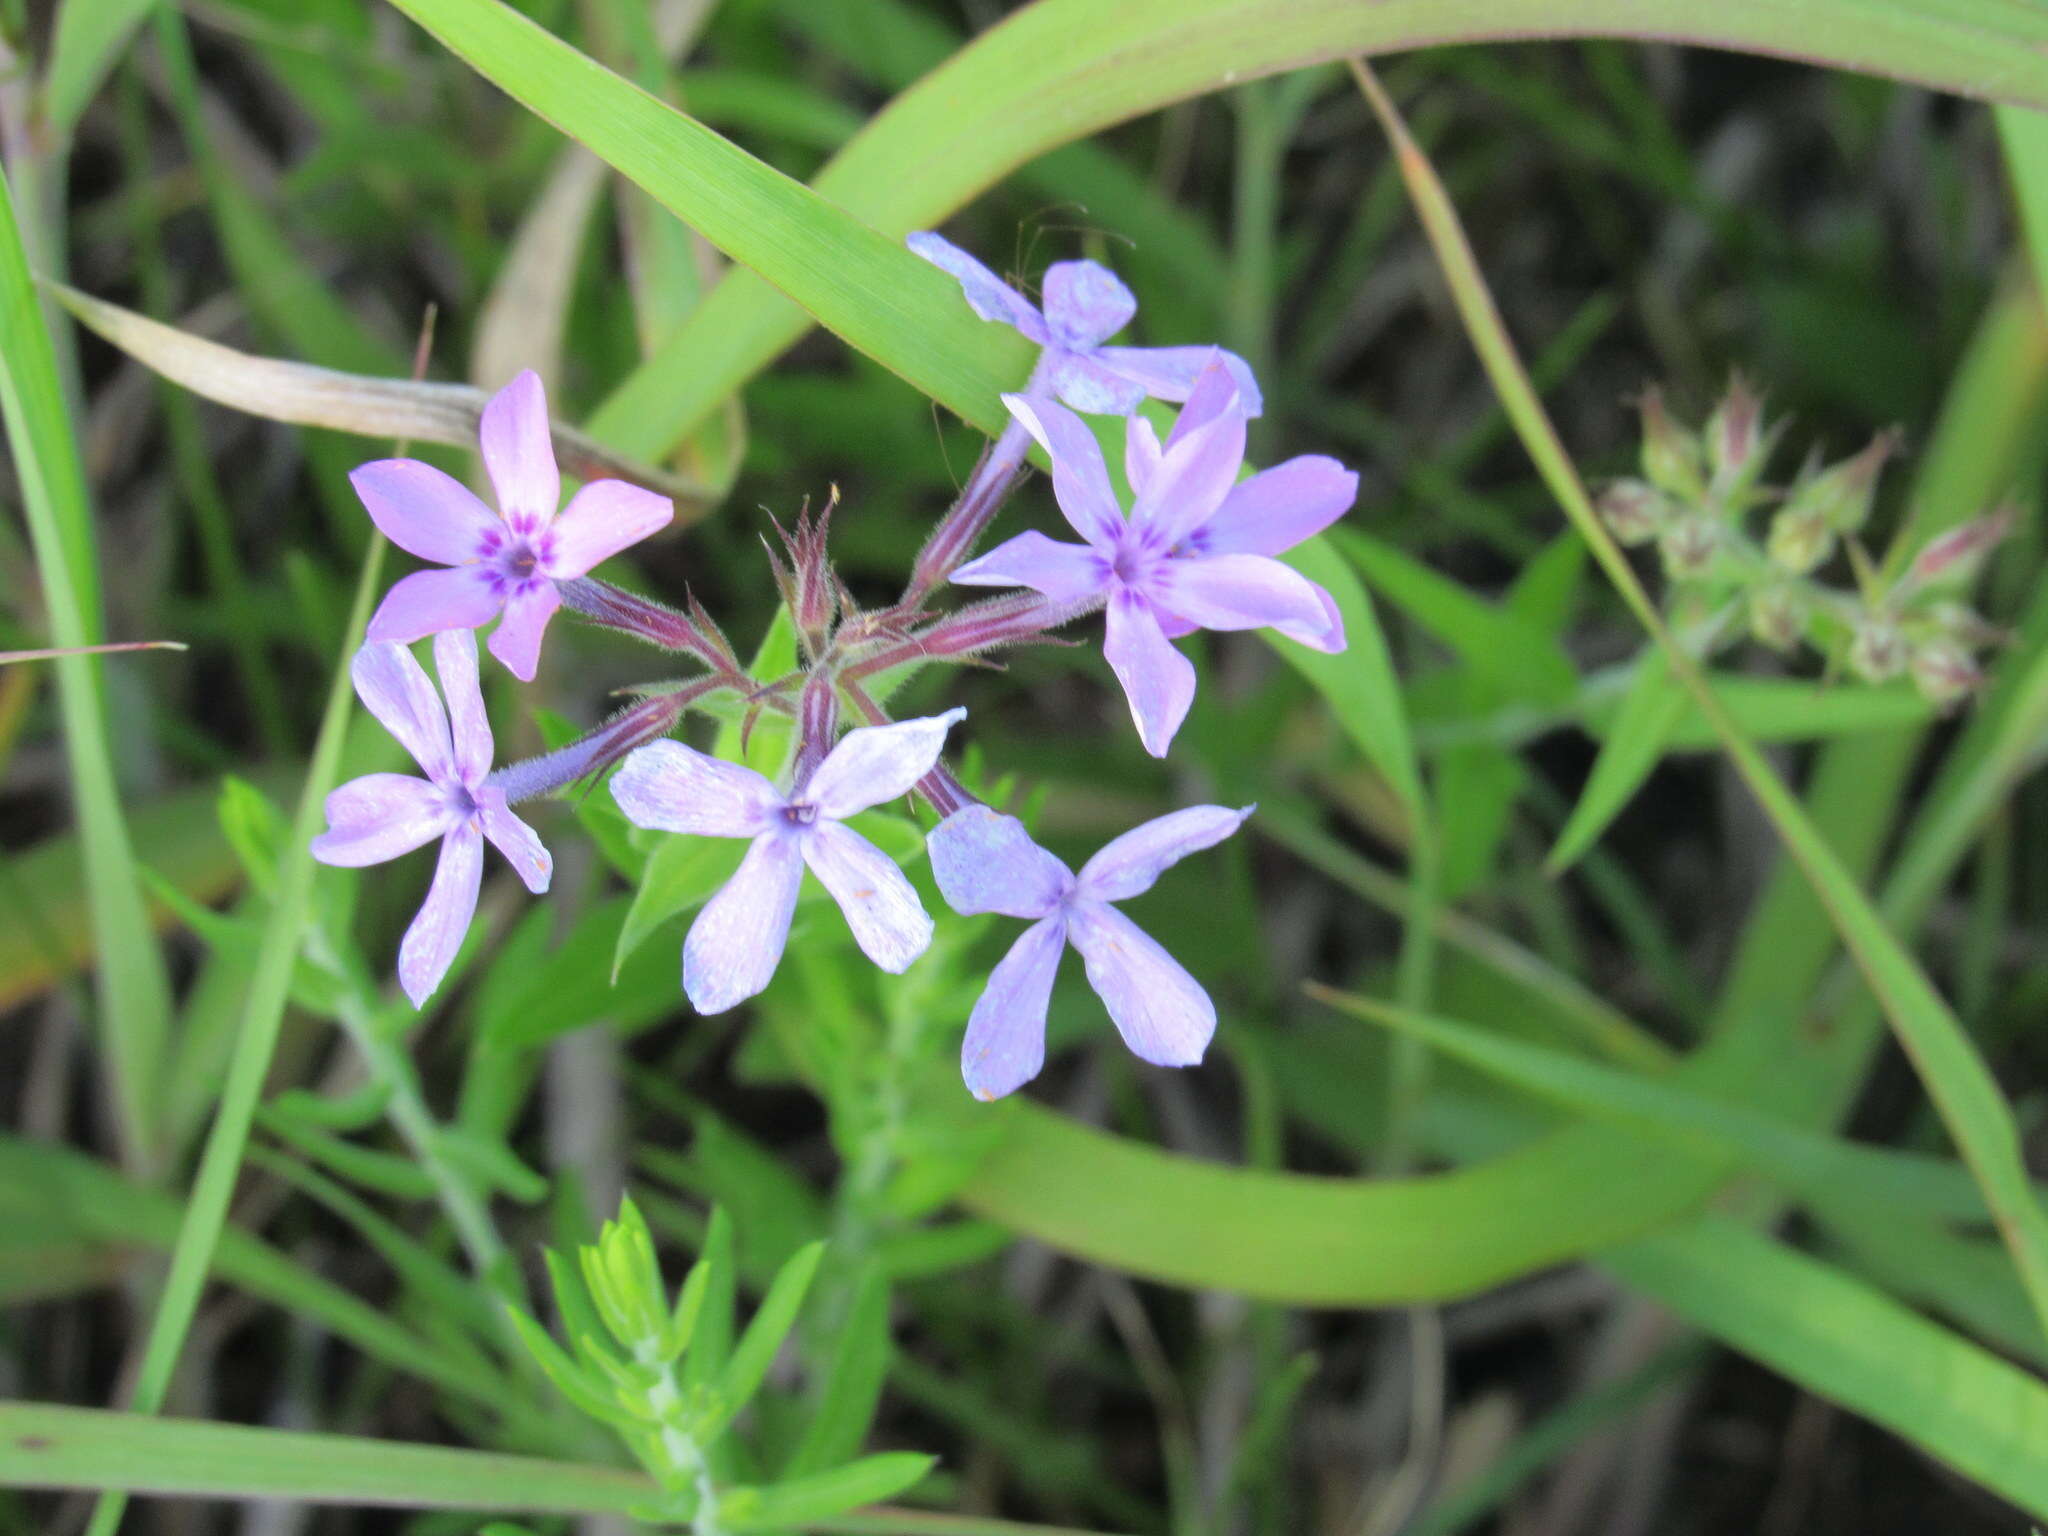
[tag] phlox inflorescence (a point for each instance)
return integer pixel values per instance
(1193, 546)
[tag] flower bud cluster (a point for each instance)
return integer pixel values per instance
(1697, 498)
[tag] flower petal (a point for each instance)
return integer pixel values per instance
(736, 942)
(1085, 303)
(512, 837)
(1194, 475)
(455, 661)
(431, 943)
(1157, 679)
(1080, 480)
(1169, 373)
(987, 295)
(1005, 1044)
(675, 788)
(1248, 592)
(1216, 392)
(379, 817)
(877, 763)
(1093, 388)
(1126, 866)
(428, 602)
(603, 518)
(519, 452)
(1066, 573)
(394, 689)
(516, 640)
(986, 862)
(423, 511)
(1142, 452)
(1161, 1011)
(888, 921)
(1277, 508)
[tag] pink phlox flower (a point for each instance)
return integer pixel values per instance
(383, 815)
(736, 942)
(1195, 552)
(986, 862)
(1085, 305)
(505, 562)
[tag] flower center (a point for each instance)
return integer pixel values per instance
(800, 814)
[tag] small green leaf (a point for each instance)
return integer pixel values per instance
(1635, 743)
(853, 1380)
(825, 1494)
(769, 1326)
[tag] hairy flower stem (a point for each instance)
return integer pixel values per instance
(995, 475)
(650, 719)
(645, 619)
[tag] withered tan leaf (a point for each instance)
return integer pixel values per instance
(281, 390)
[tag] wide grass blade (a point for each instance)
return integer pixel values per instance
(134, 989)
(1059, 70)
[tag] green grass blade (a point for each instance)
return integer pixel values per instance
(90, 36)
(50, 1447)
(220, 1163)
(134, 989)
(1972, 1109)
(1854, 1346)
(1059, 70)
(1805, 1161)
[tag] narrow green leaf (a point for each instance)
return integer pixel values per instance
(805, 1500)
(90, 36)
(1522, 661)
(845, 1405)
(711, 1341)
(769, 1326)
(1854, 1346)
(134, 989)
(50, 1447)
(1819, 1167)
(1636, 740)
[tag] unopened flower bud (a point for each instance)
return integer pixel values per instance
(1965, 625)
(1735, 444)
(1944, 671)
(1877, 654)
(1778, 614)
(1690, 544)
(1634, 510)
(1671, 453)
(1954, 557)
(1799, 540)
(1840, 496)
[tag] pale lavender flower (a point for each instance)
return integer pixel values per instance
(986, 862)
(383, 815)
(504, 562)
(1085, 305)
(736, 942)
(1194, 553)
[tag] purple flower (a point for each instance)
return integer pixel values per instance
(1085, 305)
(505, 562)
(986, 862)
(383, 815)
(1195, 553)
(736, 942)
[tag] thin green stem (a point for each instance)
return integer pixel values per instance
(262, 1014)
